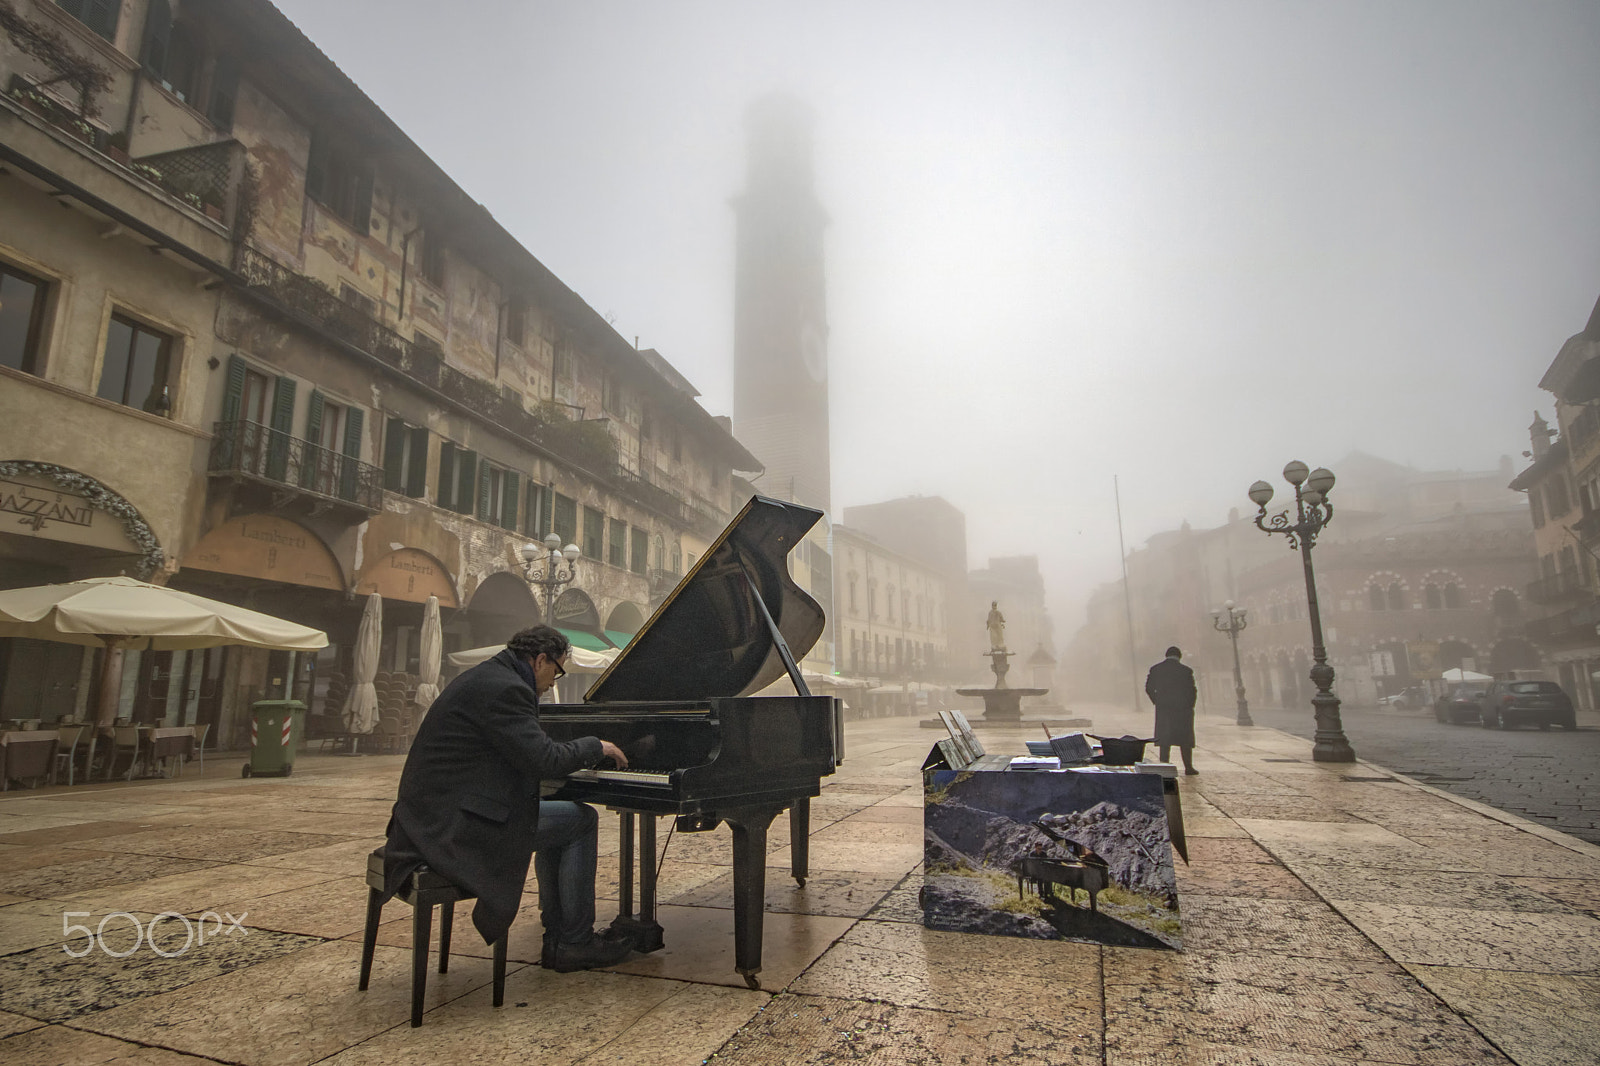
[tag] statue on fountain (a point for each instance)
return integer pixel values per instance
(997, 627)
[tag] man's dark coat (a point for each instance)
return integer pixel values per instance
(1170, 686)
(469, 794)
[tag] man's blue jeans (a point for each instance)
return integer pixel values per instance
(565, 850)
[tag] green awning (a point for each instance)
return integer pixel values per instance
(581, 638)
(618, 638)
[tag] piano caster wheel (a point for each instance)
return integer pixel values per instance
(753, 981)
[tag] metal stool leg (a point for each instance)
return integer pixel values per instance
(421, 929)
(369, 937)
(500, 970)
(447, 917)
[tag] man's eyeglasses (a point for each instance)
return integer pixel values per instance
(561, 671)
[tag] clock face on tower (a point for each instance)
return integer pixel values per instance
(814, 352)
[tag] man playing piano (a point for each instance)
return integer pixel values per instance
(469, 804)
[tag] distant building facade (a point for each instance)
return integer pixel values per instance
(255, 344)
(892, 611)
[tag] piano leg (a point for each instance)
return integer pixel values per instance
(800, 840)
(644, 930)
(749, 827)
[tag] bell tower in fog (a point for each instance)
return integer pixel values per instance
(780, 331)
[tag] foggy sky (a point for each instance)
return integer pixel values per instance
(1181, 243)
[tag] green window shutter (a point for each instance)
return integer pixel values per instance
(224, 91)
(283, 406)
(447, 474)
(157, 35)
(361, 210)
(640, 544)
(467, 481)
(354, 417)
(394, 454)
(417, 472)
(483, 494)
(350, 465)
(317, 168)
(314, 418)
(508, 510)
(233, 390)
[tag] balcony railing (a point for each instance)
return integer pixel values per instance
(260, 453)
(1558, 588)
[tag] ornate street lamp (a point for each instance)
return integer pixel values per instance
(1233, 627)
(542, 568)
(1312, 513)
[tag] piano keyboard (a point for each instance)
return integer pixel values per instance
(628, 777)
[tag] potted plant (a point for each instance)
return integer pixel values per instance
(213, 210)
(117, 147)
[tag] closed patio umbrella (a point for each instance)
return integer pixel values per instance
(361, 713)
(118, 613)
(432, 645)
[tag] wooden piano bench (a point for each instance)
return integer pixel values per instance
(424, 890)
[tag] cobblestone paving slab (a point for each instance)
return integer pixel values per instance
(1002, 977)
(1253, 805)
(1372, 1012)
(1204, 851)
(56, 1044)
(1260, 926)
(45, 983)
(1580, 895)
(93, 870)
(343, 857)
(1538, 1019)
(36, 922)
(16, 1023)
(556, 1019)
(1429, 888)
(214, 888)
(1181, 1051)
(1252, 880)
(292, 1010)
(799, 1030)
(1508, 940)
(329, 910)
(848, 895)
(219, 845)
(901, 904)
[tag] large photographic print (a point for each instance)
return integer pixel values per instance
(1052, 856)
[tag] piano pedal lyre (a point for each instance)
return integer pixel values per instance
(696, 823)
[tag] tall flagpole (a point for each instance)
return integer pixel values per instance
(1127, 597)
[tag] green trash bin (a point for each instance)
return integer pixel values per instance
(276, 727)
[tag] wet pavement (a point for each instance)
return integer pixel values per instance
(1332, 915)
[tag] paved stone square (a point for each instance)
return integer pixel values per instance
(1332, 915)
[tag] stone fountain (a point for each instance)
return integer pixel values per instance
(1001, 704)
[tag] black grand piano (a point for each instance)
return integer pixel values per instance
(700, 749)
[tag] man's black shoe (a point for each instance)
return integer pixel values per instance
(1190, 770)
(596, 951)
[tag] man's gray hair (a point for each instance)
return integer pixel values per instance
(534, 641)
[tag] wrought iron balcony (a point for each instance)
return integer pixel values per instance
(293, 467)
(1559, 588)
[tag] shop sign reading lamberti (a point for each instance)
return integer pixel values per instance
(34, 507)
(407, 574)
(270, 548)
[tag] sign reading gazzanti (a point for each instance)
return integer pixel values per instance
(34, 507)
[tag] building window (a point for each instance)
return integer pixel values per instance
(99, 15)
(594, 524)
(1431, 596)
(1452, 596)
(21, 319)
(537, 522)
(1397, 597)
(340, 183)
(677, 558)
(405, 458)
(1504, 603)
(610, 393)
(498, 496)
(516, 321)
(1375, 598)
(872, 598)
(1536, 506)
(1558, 503)
(640, 556)
(430, 258)
(891, 603)
(617, 543)
(458, 478)
(137, 362)
(853, 594)
(564, 515)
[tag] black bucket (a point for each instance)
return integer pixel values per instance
(1121, 751)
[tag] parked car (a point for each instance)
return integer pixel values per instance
(1540, 703)
(1414, 698)
(1463, 703)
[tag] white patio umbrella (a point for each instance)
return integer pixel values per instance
(432, 645)
(117, 613)
(361, 712)
(579, 661)
(1458, 674)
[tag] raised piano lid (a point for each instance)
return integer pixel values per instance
(708, 637)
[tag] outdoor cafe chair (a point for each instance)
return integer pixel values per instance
(68, 739)
(125, 738)
(200, 731)
(27, 754)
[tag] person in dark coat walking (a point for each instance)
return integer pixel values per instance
(469, 804)
(1170, 686)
